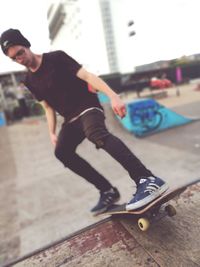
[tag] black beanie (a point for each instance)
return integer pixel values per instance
(12, 37)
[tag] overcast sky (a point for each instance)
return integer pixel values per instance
(165, 29)
(28, 16)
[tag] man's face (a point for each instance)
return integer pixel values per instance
(20, 54)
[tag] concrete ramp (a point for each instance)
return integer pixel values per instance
(147, 116)
(106, 243)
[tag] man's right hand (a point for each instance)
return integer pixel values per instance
(118, 106)
(53, 138)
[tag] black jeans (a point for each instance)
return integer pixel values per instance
(91, 125)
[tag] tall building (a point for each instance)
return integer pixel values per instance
(93, 32)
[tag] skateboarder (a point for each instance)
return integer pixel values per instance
(61, 84)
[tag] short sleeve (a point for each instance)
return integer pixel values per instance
(68, 62)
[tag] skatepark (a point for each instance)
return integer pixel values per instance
(45, 209)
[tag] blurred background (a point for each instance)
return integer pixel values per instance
(141, 48)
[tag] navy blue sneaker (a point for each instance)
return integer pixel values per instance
(148, 189)
(107, 199)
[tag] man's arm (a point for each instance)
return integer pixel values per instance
(51, 120)
(99, 85)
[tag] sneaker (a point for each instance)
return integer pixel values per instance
(148, 189)
(106, 200)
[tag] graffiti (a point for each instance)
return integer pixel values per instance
(146, 118)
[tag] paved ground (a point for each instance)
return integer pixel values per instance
(42, 202)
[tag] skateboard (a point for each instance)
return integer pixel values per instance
(155, 210)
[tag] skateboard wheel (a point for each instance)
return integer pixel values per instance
(143, 224)
(171, 211)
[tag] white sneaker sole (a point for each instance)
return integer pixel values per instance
(147, 200)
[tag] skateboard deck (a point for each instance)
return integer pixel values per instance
(155, 210)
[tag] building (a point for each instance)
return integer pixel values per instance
(93, 32)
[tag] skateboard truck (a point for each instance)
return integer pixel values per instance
(156, 215)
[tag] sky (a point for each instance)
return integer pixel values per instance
(165, 29)
(30, 17)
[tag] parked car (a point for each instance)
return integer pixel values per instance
(156, 83)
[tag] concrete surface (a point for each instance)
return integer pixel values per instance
(42, 202)
(117, 242)
(104, 244)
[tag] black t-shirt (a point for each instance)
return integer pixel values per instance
(56, 82)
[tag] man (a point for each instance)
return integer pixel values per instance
(61, 84)
(21, 99)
